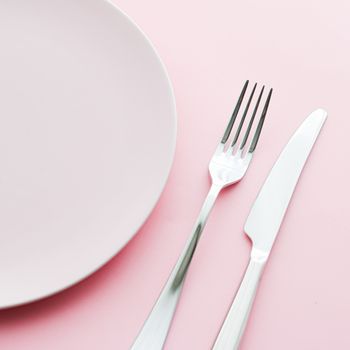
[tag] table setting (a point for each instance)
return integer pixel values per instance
(165, 176)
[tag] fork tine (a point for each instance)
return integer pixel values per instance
(243, 117)
(260, 125)
(246, 135)
(234, 114)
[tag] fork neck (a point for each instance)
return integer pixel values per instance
(214, 191)
(215, 188)
(209, 202)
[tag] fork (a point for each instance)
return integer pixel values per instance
(227, 166)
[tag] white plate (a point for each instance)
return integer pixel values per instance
(87, 135)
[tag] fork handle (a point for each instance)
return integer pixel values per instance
(156, 327)
(233, 327)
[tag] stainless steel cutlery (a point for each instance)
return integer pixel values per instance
(264, 221)
(227, 166)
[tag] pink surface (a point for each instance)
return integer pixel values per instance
(302, 50)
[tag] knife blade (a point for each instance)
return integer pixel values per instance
(266, 215)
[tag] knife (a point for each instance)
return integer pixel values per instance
(264, 221)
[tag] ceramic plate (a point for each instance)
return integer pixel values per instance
(87, 135)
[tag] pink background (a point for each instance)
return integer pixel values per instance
(301, 48)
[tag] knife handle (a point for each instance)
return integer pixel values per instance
(233, 327)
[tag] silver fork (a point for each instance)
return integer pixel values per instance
(227, 166)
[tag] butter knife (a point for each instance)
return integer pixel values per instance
(264, 221)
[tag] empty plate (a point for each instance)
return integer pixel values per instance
(87, 136)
